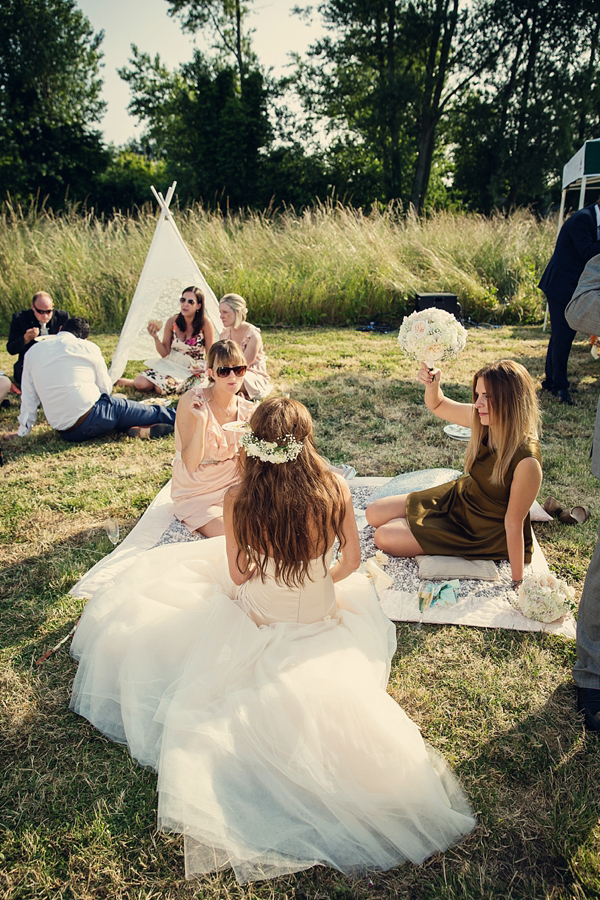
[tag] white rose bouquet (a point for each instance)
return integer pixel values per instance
(544, 598)
(431, 336)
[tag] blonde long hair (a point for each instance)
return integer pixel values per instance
(515, 414)
(287, 511)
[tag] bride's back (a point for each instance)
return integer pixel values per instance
(288, 508)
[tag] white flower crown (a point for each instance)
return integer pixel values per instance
(271, 451)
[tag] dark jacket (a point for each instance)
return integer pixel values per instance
(20, 323)
(577, 242)
(583, 313)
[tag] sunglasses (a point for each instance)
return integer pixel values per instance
(186, 300)
(223, 371)
(43, 312)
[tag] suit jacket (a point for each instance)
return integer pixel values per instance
(583, 314)
(21, 321)
(577, 242)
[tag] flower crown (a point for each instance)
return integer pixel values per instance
(271, 451)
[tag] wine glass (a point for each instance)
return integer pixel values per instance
(112, 530)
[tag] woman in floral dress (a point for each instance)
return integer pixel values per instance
(186, 340)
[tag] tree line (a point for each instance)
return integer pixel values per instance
(471, 104)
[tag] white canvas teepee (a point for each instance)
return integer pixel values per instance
(169, 268)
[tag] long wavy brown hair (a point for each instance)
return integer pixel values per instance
(515, 414)
(286, 512)
(198, 320)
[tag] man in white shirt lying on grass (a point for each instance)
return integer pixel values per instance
(67, 374)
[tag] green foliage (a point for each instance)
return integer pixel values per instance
(49, 99)
(125, 183)
(536, 106)
(209, 126)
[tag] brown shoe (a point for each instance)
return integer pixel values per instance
(552, 506)
(575, 516)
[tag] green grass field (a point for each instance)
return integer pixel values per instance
(78, 817)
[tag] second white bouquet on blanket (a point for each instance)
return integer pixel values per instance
(431, 336)
(544, 598)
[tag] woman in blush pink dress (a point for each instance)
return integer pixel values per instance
(206, 458)
(233, 311)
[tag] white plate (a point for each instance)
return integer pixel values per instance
(235, 426)
(458, 432)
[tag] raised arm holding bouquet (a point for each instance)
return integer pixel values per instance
(432, 335)
(485, 513)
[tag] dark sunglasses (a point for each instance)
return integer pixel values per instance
(43, 312)
(223, 371)
(185, 300)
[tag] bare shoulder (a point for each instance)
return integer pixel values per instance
(527, 468)
(344, 486)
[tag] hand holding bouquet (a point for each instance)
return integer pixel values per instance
(431, 336)
(544, 597)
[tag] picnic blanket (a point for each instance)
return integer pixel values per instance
(485, 604)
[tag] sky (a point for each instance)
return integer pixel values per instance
(146, 24)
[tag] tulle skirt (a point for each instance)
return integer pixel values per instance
(276, 747)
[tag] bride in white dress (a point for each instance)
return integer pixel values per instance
(251, 675)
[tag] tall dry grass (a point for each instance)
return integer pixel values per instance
(330, 264)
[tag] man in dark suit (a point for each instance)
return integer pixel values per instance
(30, 324)
(583, 313)
(578, 240)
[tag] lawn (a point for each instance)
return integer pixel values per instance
(78, 817)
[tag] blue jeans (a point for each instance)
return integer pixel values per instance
(118, 414)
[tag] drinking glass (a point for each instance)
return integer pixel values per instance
(112, 530)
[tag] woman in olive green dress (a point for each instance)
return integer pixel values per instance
(485, 513)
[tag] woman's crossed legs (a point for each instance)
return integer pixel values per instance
(392, 532)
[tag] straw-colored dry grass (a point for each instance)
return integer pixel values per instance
(78, 817)
(331, 264)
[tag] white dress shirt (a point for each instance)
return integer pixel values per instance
(66, 375)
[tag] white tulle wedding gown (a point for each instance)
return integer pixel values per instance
(264, 712)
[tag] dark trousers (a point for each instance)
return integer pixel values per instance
(559, 347)
(118, 414)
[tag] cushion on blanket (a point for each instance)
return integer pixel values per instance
(448, 567)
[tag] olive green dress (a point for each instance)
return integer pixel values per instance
(466, 517)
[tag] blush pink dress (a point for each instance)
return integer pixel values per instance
(256, 382)
(198, 497)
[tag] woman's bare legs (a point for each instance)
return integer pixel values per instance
(140, 383)
(392, 532)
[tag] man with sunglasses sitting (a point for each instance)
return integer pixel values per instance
(68, 376)
(30, 324)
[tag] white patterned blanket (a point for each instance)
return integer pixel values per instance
(480, 603)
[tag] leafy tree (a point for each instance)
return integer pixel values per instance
(516, 130)
(49, 100)
(211, 136)
(225, 19)
(387, 73)
(125, 183)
